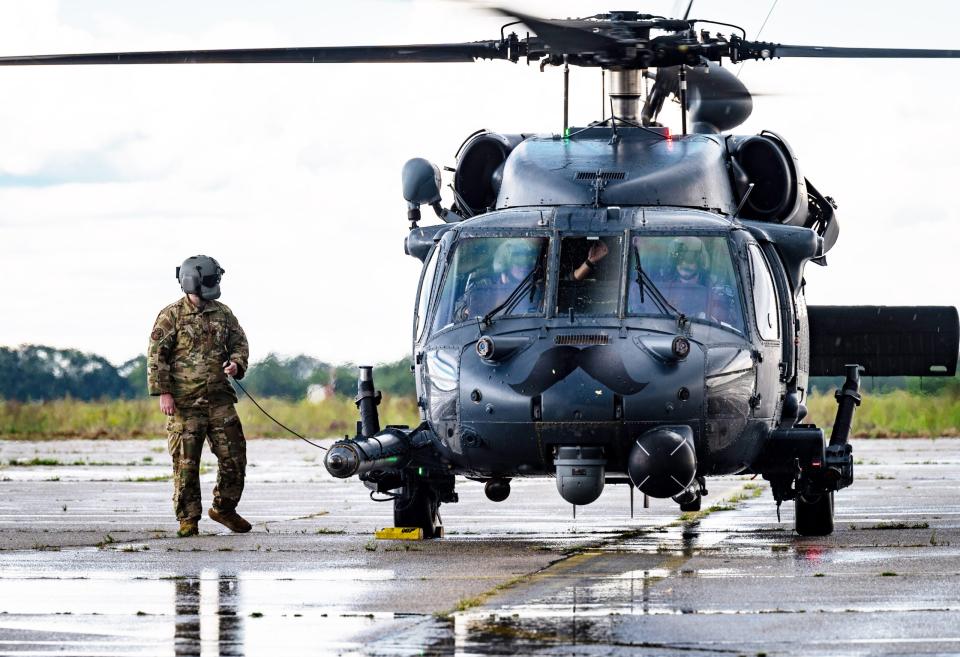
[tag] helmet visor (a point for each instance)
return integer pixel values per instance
(210, 280)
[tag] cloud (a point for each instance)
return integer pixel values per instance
(108, 163)
(289, 175)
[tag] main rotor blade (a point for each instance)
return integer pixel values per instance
(778, 50)
(434, 52)
(564, 36)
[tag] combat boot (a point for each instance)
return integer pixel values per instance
(188, 527)
(230, 519)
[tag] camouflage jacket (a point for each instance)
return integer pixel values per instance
(188, 347)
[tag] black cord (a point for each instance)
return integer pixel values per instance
(389, 496)
(275, 420)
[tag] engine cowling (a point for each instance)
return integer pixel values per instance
(479, 169)
(779, 192)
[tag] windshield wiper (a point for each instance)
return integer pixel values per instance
(643, 280)
(527, 284)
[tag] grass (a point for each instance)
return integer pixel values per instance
(165, 477)
(899, 525)
(897, 414)
(31, 462)
(141, 418)
(894, 414)
(887, 415)
(465, 604)
(750, 490)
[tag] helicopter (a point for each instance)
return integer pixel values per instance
(619, 303)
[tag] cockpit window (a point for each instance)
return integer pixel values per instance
(485, 274)
(589, 275)
(693, 272)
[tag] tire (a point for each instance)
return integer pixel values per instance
(692, 506)
(418, 507)
(814, 517)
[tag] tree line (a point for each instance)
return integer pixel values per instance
(40, 373)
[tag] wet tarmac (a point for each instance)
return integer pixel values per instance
(90, 565)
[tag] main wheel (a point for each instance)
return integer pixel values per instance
(418, 506)
(814, 515)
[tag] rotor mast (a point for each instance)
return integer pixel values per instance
(625, 92)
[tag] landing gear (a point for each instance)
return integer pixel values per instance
(418, 506)
(814, 514)
(418, 503)
(800, 467)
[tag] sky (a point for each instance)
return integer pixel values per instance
(290, 174)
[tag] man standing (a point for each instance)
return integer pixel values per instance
(196, 343)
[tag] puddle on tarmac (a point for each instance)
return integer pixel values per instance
(205, 612)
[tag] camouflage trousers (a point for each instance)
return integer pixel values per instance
(219, 426)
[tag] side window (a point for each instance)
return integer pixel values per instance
(426, 285)
(764, 295)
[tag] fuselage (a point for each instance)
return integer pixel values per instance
(587, 362)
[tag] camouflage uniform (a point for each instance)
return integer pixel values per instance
(188, 347)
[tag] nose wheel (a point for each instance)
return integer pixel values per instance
(814, 515)
(418, 503)
(418, 506)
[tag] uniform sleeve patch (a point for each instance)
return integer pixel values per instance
(157, 333)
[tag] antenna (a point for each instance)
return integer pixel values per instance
(603, 94)
(743, 201)
(683, 96)
(566, 98)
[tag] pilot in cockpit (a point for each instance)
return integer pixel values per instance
(686, 283)
(514, 261)
(690, 285)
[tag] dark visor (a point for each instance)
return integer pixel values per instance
(210, 281)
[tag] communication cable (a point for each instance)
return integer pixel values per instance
(275, 420)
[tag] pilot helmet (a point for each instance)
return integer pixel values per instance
(200, 275)
(688, 250)
(516, 252)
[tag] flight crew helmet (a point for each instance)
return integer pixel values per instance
(201, 275)
(688, 256)
(516, 255)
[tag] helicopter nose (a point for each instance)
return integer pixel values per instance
(662, 462)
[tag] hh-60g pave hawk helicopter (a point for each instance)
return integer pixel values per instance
(618, 303)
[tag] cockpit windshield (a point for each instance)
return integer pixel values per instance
(694, 273)
(486, 274)
(589, 275)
